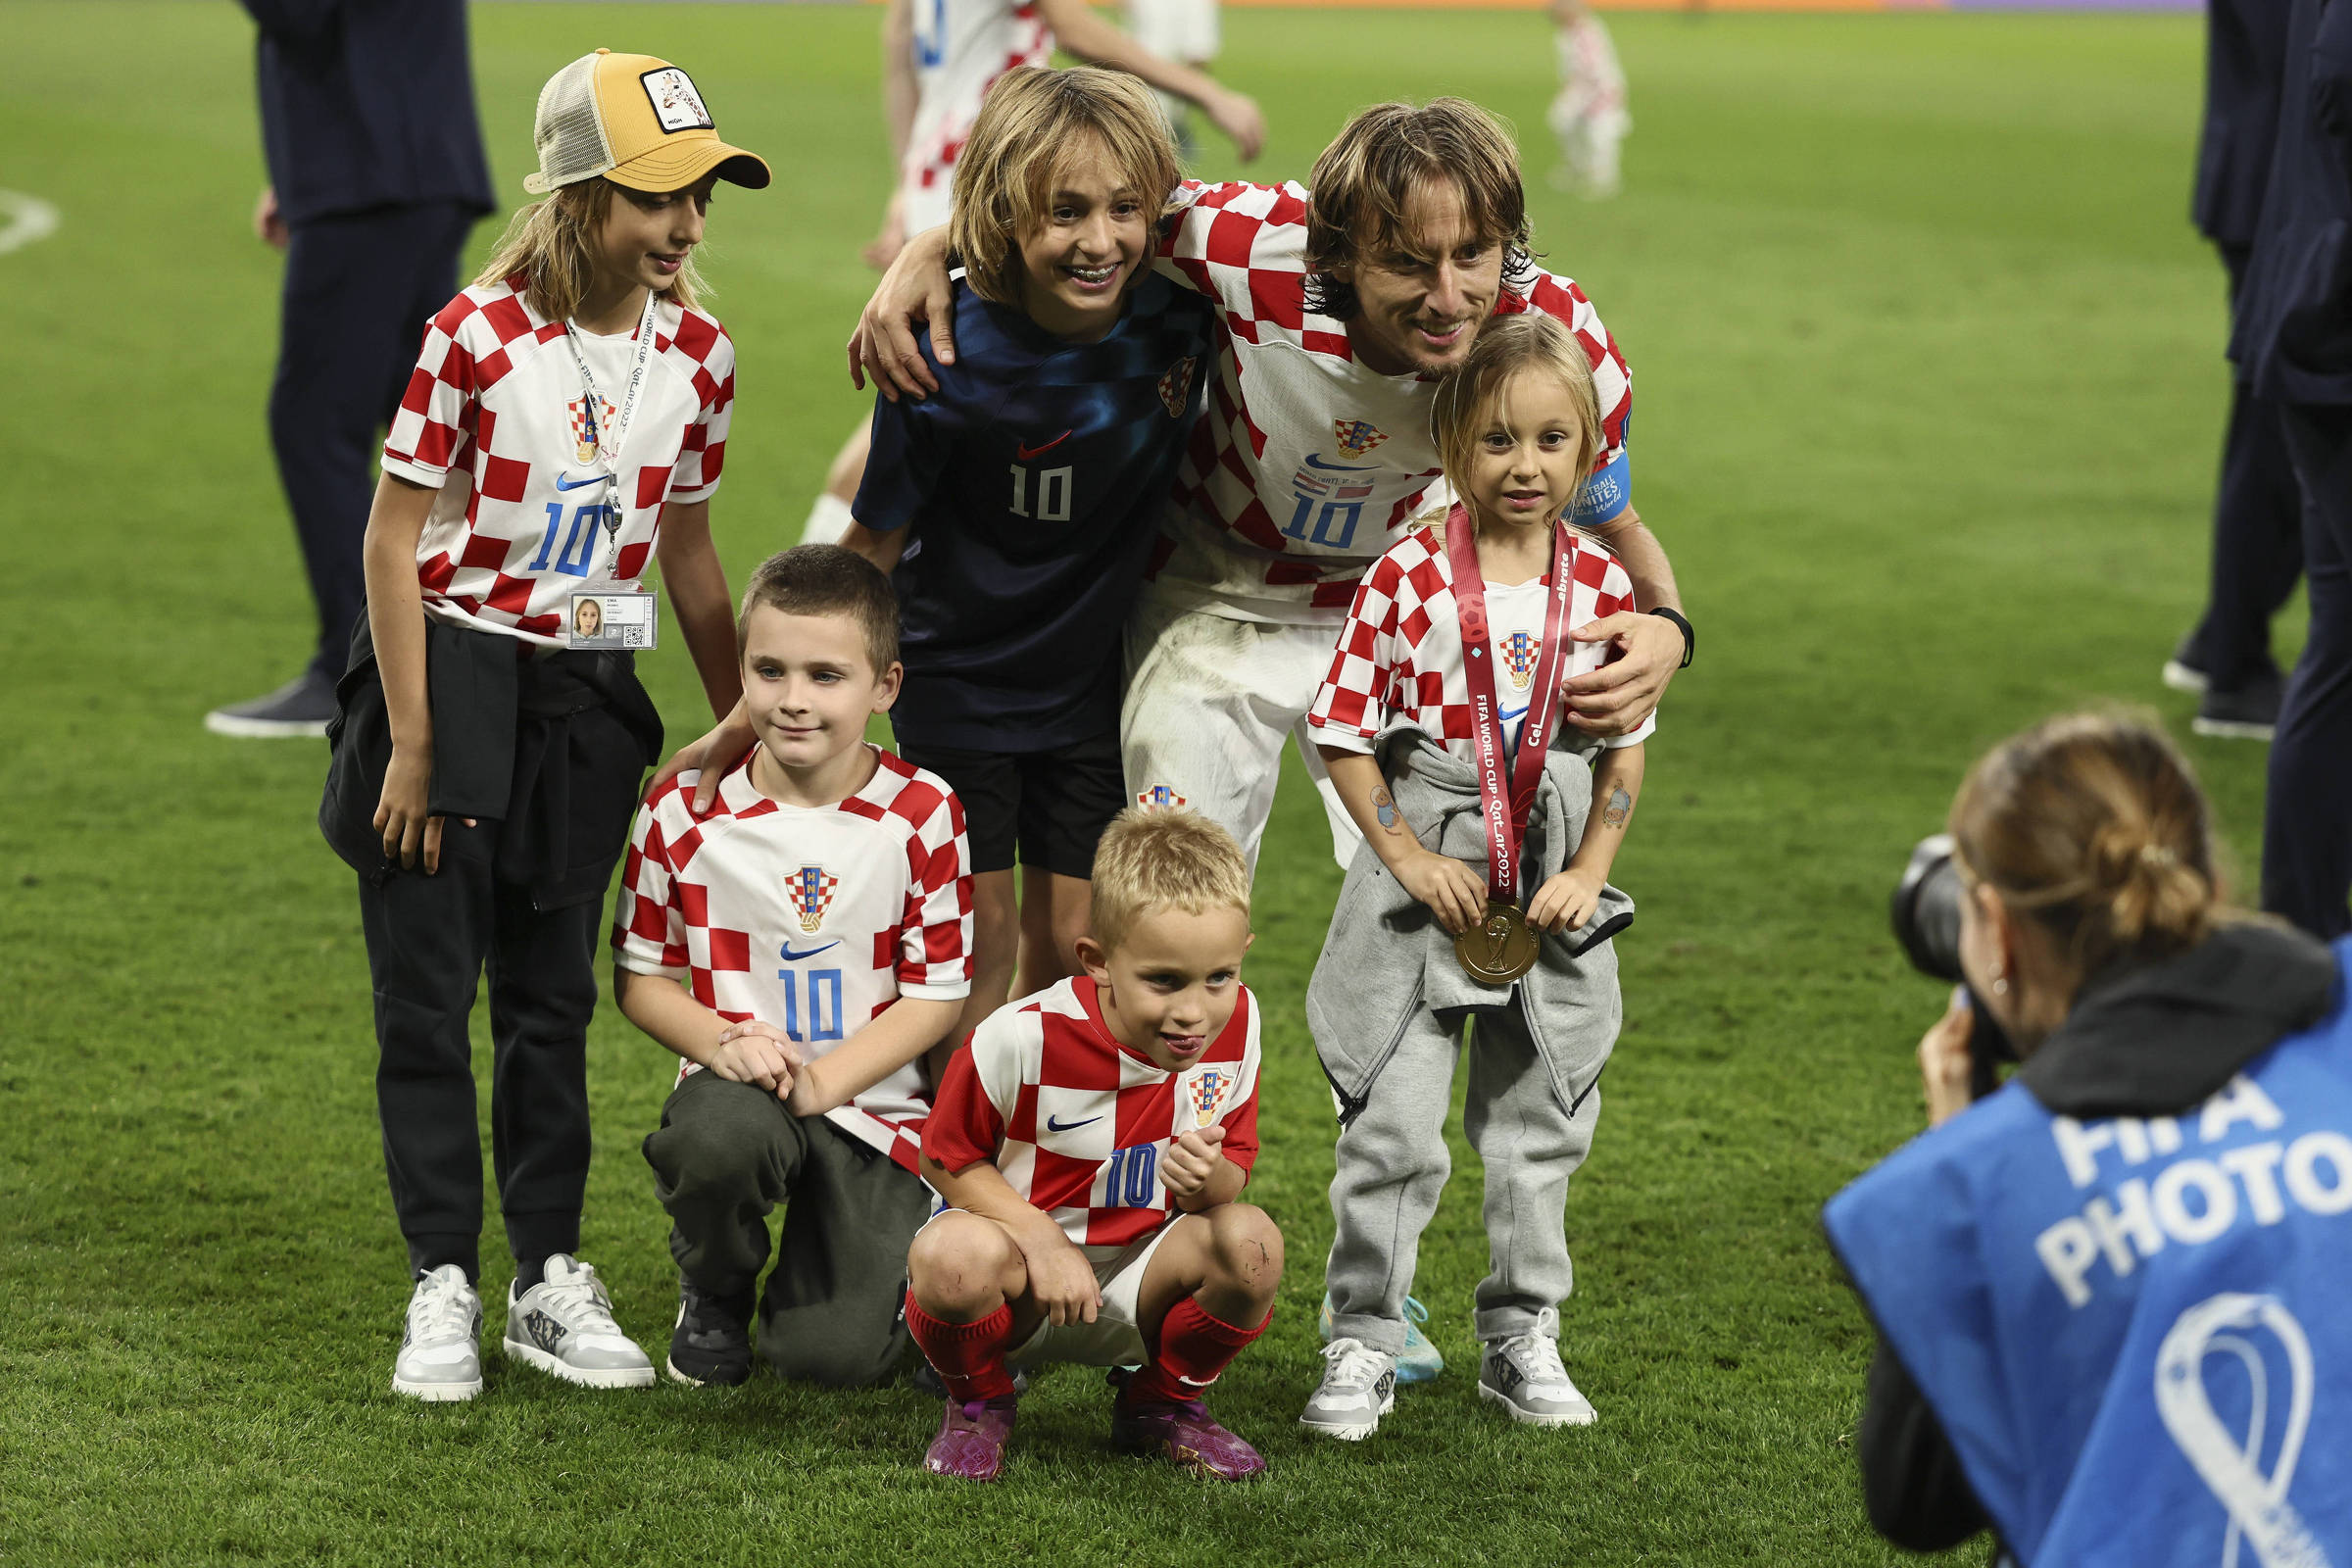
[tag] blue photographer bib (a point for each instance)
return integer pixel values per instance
(2135, 1332)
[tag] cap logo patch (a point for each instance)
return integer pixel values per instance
(675, 102)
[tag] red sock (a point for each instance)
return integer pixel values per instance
(1194, 1347)
(969, 1357)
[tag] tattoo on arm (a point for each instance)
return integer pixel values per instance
(1620, 807)
(1384, 806)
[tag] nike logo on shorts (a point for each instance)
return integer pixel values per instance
(1024, 453)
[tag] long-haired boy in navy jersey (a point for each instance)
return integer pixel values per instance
(1014, 509)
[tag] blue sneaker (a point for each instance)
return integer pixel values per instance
(1420, 1363)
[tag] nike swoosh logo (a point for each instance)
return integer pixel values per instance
(564, 483)
(791, 957)
(1055, 1126)
(1026, 453)
(1314, 462)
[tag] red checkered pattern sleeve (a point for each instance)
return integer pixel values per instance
(704, 452)
(965, 1127)
(1350, 703)
(935, 944)
(649, 929)
(1240, 1121)
(1616, 593)
(1560, 299)
(436, 411)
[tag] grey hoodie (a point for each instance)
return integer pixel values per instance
(1387, 958)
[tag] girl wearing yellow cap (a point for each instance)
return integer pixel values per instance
(563, 430)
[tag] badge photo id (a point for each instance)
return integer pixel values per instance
(613, 620)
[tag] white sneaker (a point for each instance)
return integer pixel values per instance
(1523, 1374)
(1358, 1388)
(564, 1325)
(440, 1357)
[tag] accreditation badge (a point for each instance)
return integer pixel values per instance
(617, 620)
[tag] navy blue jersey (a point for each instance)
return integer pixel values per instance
(1031, 480)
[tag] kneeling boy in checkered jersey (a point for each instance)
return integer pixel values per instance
(1093, 1142)
(802, 947)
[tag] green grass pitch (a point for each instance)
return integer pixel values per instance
(1931, 398)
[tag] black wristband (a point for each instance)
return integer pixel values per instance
(1682, 625)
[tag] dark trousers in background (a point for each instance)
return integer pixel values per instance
(2257, 532)
(428, 938)
(726, 1156)
(2307, 821)
(359, 290)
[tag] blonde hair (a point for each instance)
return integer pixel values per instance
(1360, 185)
(1471, 399)
(1030, 125)
(2092, 828)
(553, 245)
(1164, 859)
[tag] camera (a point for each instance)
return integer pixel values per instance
(1925, 912)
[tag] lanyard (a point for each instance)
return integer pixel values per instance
(598, 430)
(1504, 808)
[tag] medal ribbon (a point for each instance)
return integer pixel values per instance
(619, 429)
(1504, 804)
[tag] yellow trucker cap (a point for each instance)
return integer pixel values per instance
(635, 119)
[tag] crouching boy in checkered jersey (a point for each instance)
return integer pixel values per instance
(801, 947)
(1093, 1143)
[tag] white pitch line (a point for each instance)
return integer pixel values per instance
(29, 218)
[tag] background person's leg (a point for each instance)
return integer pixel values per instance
(2307, 819)
(359, 289)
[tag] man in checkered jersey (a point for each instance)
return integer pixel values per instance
(1343, 311)
(1093, 1143)
(801, 947)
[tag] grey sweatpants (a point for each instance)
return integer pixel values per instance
(1392, 1163)
(726, 1155)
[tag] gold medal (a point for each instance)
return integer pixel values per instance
(587, 451)
(1500, 948)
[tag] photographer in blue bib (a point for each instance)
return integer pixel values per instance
(2109, 1292)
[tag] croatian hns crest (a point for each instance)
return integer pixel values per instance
(675, 102)
(1206, 1095)
(1356, 436)
(1158, 798)
(1519, 658)
(811, 888)
(1176, 387)
(584, 433)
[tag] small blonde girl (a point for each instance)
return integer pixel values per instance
(564, 429)
(1452, 655)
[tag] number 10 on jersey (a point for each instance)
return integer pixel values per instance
(1052, 494)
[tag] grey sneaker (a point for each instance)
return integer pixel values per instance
(2187, 671)
(1358, 1388)
(564, 1325)
(301, 707)
(440, 1356)
(713, 1340)
(1523, 1374)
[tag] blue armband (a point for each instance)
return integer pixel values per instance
(1607, 493)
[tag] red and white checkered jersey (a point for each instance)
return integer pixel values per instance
(493, 418)
(812, 918)
(1307, 464)
(1078, 1122)
(1399, 654)
(961, 48)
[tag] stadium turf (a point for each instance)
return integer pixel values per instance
(1930, 399)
